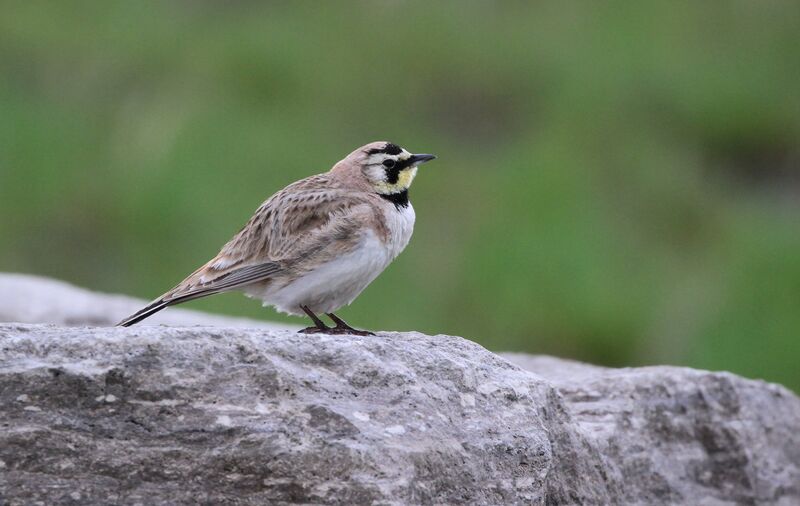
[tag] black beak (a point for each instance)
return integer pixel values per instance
(414, 160)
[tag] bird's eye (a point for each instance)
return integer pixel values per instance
(388, 163)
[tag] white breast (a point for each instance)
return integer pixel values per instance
(400, 223)
(337, 283)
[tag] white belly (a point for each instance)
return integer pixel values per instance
(337, 283)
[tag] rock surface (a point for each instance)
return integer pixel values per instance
(172, 415)
(676, 435)
(187, 415)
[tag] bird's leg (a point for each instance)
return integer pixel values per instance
(320, 326)
(343, 328)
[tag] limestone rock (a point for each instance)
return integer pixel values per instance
(165, 415)
(159, 415)
(675, 435)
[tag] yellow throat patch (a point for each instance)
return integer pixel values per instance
(404, 179)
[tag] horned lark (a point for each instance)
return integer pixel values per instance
(315, 245)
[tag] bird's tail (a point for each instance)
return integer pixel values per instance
(195, 287)
(159, 304)
(143, 313)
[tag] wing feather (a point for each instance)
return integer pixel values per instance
(228, 281)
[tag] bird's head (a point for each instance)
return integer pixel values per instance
(387, 167)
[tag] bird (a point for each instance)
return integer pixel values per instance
(315, 245)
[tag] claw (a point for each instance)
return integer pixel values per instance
(314, 330)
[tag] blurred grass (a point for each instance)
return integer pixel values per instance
(617, 182)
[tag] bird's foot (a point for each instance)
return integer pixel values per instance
(343, 328)
(336, 331)
(349, 330)
(314, 330)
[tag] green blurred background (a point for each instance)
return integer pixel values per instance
(617, 182)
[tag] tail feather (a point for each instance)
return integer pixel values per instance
(160, 304)
(196, 287)
(143, 313)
